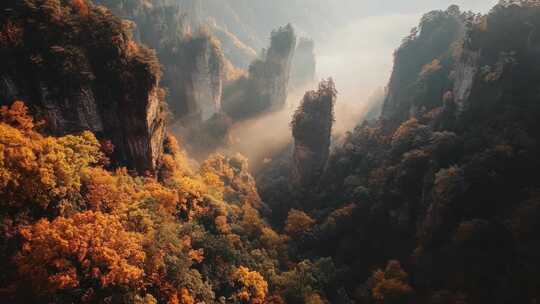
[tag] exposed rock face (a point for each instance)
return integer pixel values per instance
(194, 75)
(192, 60)
(304, 63)
(273, 76)
(467, 68)
(312, 128)
(207, 81)
(466, 71)
(500, 59)
(266, 87)
(422, 65)
(79, 69)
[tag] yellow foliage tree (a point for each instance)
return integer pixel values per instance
(253, 287)
(36, 169)
(297, 223)
(390, 286)
(86, 249)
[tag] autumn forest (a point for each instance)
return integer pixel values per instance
(196, 152)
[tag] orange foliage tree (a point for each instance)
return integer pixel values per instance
(390, 286)
(297, 223)
(253, 287)
(87, 249)
(37, 169)
(81, 7)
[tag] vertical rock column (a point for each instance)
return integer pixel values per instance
(312, 128)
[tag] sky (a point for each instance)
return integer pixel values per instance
(359, 55)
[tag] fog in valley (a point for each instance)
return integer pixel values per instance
(356, 50)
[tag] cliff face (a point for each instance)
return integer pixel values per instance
(447, 191)
(500, 60)
(192, 60)
(78, 68)
(193, 73)
(423, 63)
(304, 63)
(266, 86)
(272, 76)
(459, 58)
(312, 128)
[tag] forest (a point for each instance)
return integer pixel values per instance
(122, 180)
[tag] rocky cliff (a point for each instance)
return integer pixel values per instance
(499, 59)
(78, 68)
(193, 61)
(458, 59)
(266, 86)
(423, 64)
(312, 128)
(446, 191)
(193, 73)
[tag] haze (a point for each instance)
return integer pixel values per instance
(358, 54)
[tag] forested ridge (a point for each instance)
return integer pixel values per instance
(436, 200)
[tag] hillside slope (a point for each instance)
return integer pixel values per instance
(445, 182)
(79, 69)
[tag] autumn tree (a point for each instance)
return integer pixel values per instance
(252, 286)
(40, 170)
(297, 223)
(17, 116)
(390, 286)
(81, 7)
(86, 250)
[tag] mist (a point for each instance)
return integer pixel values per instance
(358, 55)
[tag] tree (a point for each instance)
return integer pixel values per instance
(253, 287)
(17, 116)
(390, 286)
(81, 7)
(297, 223)
(85, 250)
(40, 170)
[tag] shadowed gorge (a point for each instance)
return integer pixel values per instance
(188, 152)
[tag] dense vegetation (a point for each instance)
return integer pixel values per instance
(74, 231)
(78, 67)
(437, 201)
(444, 182)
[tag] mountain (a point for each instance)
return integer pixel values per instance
(434, 198)
(265, 87)
(192, 59)
(312, 130)
(440, 193)
(78, 68)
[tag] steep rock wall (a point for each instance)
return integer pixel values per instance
(266, 87)
(194, 76)
(192, 59)
(312, 128)
(423, 63)
(500, 59)
(274, 77)
(78, 69)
